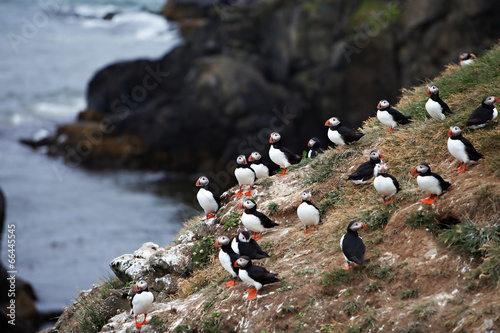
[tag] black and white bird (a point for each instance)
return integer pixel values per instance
(280, 155)
(254, 220)
(244, 245)
(465, 59)
(341, 135)
(385, 184)
(256, 276)
(484, 114)
(244, 175)
(206, 198)
(461, 148)
(261, 170)
(430, 182)
(142, 301)
(308, 213)
(352, 245)
(314, 148)
(365, 171)
(390, 116)
(227, 258)
(435, 106)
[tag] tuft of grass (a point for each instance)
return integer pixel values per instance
(409, 293)
(330, 199)
(92, 314)
(184, 329)
(202, 250)
(211, 325)
(351, 307)
(412, 328)
(326, 165)
(287, 308)
(422, 218)
(266, 183)
(425, 310)
(372, 286)
(490, 268)
(273, 208)
(376, 218)
(233, 220)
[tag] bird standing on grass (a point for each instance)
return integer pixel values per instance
(483, 114)
(315, 148)
(308, 213)
(430, 182)
(385, 184)
(365, 171)
(261, 170)
(390, 116)
(256, 276)
(352, 245)
(465, 59)
(435, 106)
(341, 135)
(227, 258)
(280, 155)
(142, 301)
(254, 220)
(244, 245)
(206, 198)
(244, 175)
(461, 148)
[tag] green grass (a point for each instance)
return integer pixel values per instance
(376, 218)
(202, 250)
(340, 276)
(330, 199)
(425, 310)
(351, 307)
(422, 218)
(273, 207)
(327, 165)
(92, 314)
(232, 221)
(409, 293)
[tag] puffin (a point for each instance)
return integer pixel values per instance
(256, 276)
(341, 135)
(254, 220)
(461, 148)
(244, 245)
(206, 198)
(352, 245)
(430, 182)
(483, 114)
(390, 116)
(142, 301)
(315, 148)
(308, 213)
(465, 59)
(435, 106)
(365, 171)
(280, 155)
(244, 175)
(385, 184)
(261, 170)
(227, 258)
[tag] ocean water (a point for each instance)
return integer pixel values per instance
(69, 222)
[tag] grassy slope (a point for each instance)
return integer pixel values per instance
(412, 281)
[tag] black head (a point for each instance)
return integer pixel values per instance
(248, 204)
(255, 157)
(380, 168)
(244, 236)
(243, 261)
(275, 137)
(140, 286)
(241, 160)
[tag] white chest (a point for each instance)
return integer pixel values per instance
(252, 223)
(457, 149)
(243, 274)
(495, 114)
(384, 186)
(434, 110)
(244, 176)
(429, 184)
(335, 137)
(207, 201)
(385, 118)
(234, 246)
(278, 157)
(142, 302)
(225, 261)
(308, 214)
(261, 171)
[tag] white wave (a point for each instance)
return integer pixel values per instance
(58, 110)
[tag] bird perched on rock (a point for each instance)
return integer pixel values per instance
(390, 116)
(465, 59)
(206, 198)
(244, 175)
(308, 213)
(365, 171)
(280, 155)
(314, 148)
(256, 276)
(352, 245)
(430, 182)
(339, 134)
(254, 220)
(142, 301)
(461, 148)
(244, 245)
(261, 170)
(385, 184)
(227, 258)
(435, 106)
(483, 114)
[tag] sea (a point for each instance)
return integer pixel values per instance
(70, 223)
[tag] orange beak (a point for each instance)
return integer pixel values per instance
(381, 156)
(271, 139)
(449, 132)
(428, 93)
(414, 171)
(327, 123)
(135, 287)
(198, 183)
(378, 106)
(236, 264)
(250, 158)
(240, 206)
(364, 225)
(217, 243)
(496, 99)
(309, 144)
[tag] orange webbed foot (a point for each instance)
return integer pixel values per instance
(388, 202)
(390, 130)
(230, 283)
(249, 193)
(251, 294)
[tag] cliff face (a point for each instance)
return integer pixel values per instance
(247, 68)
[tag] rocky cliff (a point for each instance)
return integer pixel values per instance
(247, 67)
(428, 268)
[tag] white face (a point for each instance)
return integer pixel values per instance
(464, 56)
(306, 195)
(242, 238)
(202, 181)
(248, 204)
(275, 137)
(357, 225)
(241, 160)
(433, 89)
(454, 130)
(311, 143)
(382, 104)
(422, 168)
(490, 100)
(380, 168)
(374, 154)
(332, 122)
(255, 156)
(141, 285)
(242, 262)
(223, 240)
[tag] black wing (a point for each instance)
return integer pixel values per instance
(354, 249)
(363, 172)
(291, 157)
(246, 249)
(349, 135)
(471, 151)
(257, 248)
(261, 275)
(479, 116)
(395, 181)
(266, 221)
(399, 117)
(217, 199)
(443, 183)
(446, 108)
